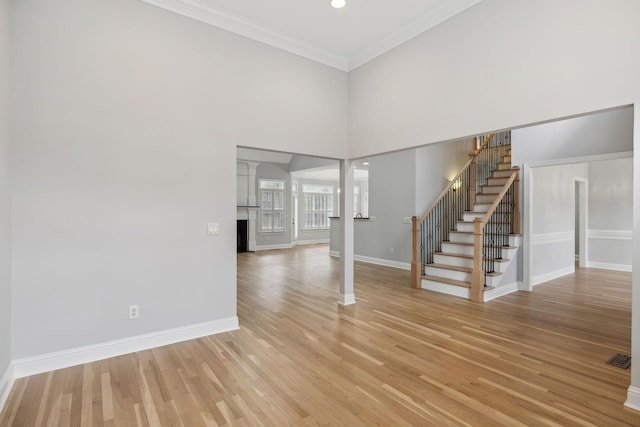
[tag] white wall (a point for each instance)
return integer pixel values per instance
(300, 163)
(610, 214)
(126, 120)
(553, 220)
(590, 135)
(463, 77)
(5, 231)
(609, 184)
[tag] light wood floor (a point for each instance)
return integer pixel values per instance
(399, 357)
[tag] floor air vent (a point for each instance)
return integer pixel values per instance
(620, 360)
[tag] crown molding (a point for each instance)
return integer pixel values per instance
(425, 22)
(204, 12)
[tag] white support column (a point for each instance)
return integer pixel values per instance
(253, 222)
(525, 224)
(633, 393)
(347, 296)
(251, 190)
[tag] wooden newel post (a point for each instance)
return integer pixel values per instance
(516, 204)
(477, 276)
(416, 259)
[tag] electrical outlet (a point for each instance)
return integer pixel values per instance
(393, 251)
(406, 220)
(372, 218)
(134, 311)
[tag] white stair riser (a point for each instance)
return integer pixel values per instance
(447, 274)
(464, 226)
(452, 248)
(470, 216)
(497, 181)
(452, 260)
(484, 207)
(491, 189)
(485, 198)
(502, 173)
(468, 228)
(461, 237)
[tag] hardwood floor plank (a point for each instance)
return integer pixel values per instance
(398, 357)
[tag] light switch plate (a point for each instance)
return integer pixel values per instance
(213, 228)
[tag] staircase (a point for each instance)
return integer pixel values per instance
(465, 242)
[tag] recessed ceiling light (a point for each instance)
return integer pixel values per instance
(338, 4)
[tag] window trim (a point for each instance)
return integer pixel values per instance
(273, 210)
(330, 197)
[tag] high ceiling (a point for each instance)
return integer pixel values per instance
(342, 38)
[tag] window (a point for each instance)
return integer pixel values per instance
(356, 201)
(318, 206)
(271, 206)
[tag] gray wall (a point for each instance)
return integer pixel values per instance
(455, 80)
(436, 165)
(610, 213)
(126, 119)
(279, 172)
(5, 231)
(400, 185)
(593, 134)
(392, 185)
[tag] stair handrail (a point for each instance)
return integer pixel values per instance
(477, 275)
(484, 144)
(416, 261)
(445, 191)
(499, 197)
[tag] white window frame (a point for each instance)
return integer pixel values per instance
(268, 201)
(317, 206)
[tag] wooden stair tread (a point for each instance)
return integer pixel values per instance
(450, 267)
(469, 256)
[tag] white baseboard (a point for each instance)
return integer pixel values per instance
(271, 247)
(348, 299)
(501, 291)
(376, 261)
(385, 262)
(6, 384)
(553, 275)
(633, 398)
(311, 242)
(608, 266)
(76, 356)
